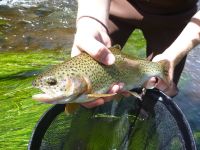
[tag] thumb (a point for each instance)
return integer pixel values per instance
(75, 51)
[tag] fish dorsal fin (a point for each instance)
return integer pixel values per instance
(115, 47)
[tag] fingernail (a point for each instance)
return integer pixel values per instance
(110, 59)
(115, 88)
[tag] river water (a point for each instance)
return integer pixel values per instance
(189, 96)
(49, 24)
(36, 24)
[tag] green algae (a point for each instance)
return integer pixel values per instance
(197, 138)
(19, 113)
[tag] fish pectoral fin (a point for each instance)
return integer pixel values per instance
(70, 108)
(95, 95)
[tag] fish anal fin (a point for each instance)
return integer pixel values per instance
(70, 108)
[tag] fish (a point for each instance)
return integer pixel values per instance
(82, 79)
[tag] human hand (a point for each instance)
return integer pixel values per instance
(93, 38)
(168, 88)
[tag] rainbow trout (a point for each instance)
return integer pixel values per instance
(82, 79)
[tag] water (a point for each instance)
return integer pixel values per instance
(189, 95)
(35, 34)
(45, 25)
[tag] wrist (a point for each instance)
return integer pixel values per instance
(174, 56)
(170, 56)
(98, 9)
(93, 19)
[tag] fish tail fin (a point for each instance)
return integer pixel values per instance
(165, 71)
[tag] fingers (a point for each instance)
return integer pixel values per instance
(96, 50)
(75, 51)
(95, 103)
(100, 53)
(157, 83)
(116, 88)
(95, 43)
(151, 83)
(161, 57)
(106, 39)
(171, 90)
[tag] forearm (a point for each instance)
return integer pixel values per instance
(95, 8)
(187, 40)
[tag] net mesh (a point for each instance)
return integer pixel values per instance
(128, 124)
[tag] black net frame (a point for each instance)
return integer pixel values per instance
(151, 97)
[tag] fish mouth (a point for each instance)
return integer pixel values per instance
(46, 98)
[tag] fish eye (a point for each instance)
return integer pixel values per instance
(51, 81)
